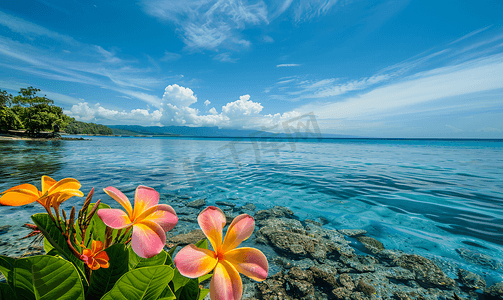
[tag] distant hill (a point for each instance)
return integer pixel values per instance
(202, 132)
(78, 127)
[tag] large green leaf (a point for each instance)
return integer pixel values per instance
(136, 261)
(143, 283)
(47, 246)
(202, 244)
(203, 293)
(6, 292)
(167, 294)
(204, 277)
(6, 265)
(190, 291)
(178, 281)
(57, 240)
(46, 277)
(102, 280)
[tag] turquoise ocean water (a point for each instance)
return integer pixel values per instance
(429, 197)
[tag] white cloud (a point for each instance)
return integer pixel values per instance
(97, 113)
(287, 65)
(210, 24)
(207, 102)
(225, 57)
(427, 91)
(308, 9)
(170, 56)
(268, 39)
(240, 114)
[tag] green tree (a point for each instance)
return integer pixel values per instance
(9, 120)
(42, 117)
(28, 97)
(5, 99)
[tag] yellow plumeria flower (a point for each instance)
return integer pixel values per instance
(53, 193)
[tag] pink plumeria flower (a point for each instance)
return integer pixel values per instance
(149, 219)
(226, 260)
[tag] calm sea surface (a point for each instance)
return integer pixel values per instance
(419, 196)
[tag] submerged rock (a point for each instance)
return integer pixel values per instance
(197, 203)
(4, 228)
(371, 243)
(426, 272)
(478, 258)
(188, 238)
(275, 212)
(471, 280)
(352, 232)
(494, 292)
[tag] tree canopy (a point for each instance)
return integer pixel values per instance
(35, 113)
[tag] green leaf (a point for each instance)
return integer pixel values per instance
(202, 244)
(190, 290)
(47, 246)
(6, 292)
(167, 294)
(169, 261)
(57, 240)
(172, 250)
(178, 280)
(45, 277)
(6, 265)
(203, 293)
(204, 277)
(103, 280)
(136, 261)
(143, 283)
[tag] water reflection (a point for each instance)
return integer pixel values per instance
(27, 161)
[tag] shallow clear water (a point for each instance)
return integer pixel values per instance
(420, 196)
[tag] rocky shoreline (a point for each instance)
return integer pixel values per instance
(308, 261)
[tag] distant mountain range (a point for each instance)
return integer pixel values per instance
(135, 130)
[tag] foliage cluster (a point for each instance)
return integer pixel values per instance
(35, 113)
(77, 127)
(61, 273)
(29, 111)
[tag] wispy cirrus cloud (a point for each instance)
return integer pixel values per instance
(31, 30)
(210, 24)
(287, 65)
(78, 63)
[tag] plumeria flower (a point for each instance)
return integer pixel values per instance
(149, 219)
(53, 193)
(95, 257)
(226, 260)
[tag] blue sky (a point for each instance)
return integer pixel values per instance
(365, 68)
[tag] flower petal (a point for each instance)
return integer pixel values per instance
(226, 283)
(102, 258)
(144, 198)
(162, 214)
(64, 184)
(114, 218)
(250, 262)
(148, 239)
(27, 188)
(47, 183)
(17, 197)
(240, 229)
(212, 222)
(194, 262)
(121, 198)
(96, 246)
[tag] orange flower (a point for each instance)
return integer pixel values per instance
(95, 257)
(53, 193)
